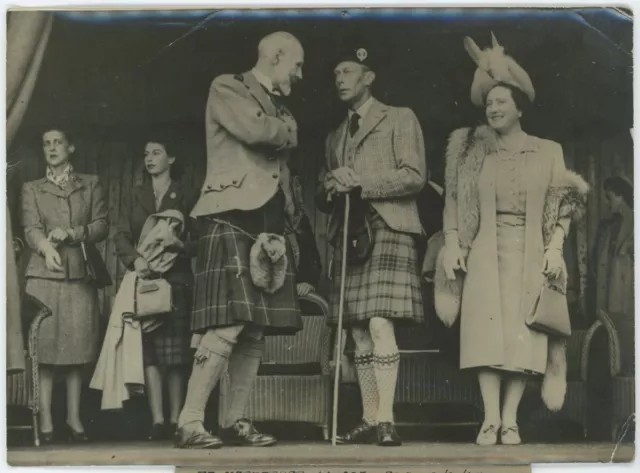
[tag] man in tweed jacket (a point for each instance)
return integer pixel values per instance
(377, 155)
(245, 193)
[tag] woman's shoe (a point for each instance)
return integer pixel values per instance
(157, 432)
(510, 436)
(488, 435)
(74, 436)
(46, 438)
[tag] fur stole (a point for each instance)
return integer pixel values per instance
(268, 262)
(565, 198)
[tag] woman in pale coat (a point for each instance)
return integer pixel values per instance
(500, 231)
(613, 255)
(59, 212)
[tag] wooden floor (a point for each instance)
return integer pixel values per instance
(317, 453)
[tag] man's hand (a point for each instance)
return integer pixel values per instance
(304, 288)
(341, 181)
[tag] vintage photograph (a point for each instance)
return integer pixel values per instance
(263, 237)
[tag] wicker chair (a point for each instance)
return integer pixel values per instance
(23, 388)
(294, 381)
(620, 379)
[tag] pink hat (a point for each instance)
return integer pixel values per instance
(495, 67)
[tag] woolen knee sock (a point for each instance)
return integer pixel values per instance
(204, 377)
(243, 369)
(368, 386)
(386, 373)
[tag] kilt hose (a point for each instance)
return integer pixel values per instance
(386, 285)
(224, 293)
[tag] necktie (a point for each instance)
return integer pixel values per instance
(354, 124)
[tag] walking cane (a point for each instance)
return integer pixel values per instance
(338, 358)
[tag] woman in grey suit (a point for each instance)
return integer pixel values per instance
(59, 211)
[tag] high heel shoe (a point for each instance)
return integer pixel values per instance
(46, 438)
(75, 437)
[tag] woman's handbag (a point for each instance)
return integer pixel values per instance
(152, 297)
(550, 313)
(95, 270)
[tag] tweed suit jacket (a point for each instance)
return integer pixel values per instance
(248, 139)
(387, 153)
(81, 206)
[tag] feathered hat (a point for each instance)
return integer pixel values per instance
(494, 66)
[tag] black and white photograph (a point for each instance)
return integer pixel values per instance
(320, 236)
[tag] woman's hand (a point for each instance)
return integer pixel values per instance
(58, 236)
(142, 268)
(53, 261)
(453, 260)
(553, 263)
(304, 289)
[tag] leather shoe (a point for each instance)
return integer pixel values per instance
(363, 433)
(387, 435)
(196, 439)
(243, 433)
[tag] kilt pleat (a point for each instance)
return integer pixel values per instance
(386, 285)
(224, 292)
(168, 345)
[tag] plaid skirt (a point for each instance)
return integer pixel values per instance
(168, 345)
(386, 285)
(224, 292)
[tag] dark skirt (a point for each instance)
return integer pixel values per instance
(224, 292)
(70, 335)
(168, 345)
(386, 285)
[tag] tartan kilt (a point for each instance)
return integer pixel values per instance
(224, 292)
(169, 344)
(386, 285)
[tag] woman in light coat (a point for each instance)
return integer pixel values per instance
(59, 212)
(503, 237)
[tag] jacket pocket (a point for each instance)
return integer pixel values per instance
(225, 179)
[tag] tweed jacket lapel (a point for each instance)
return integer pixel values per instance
(377, 113)
(259, 93)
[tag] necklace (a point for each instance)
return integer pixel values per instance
(514, 153)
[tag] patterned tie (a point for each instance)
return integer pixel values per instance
(354, 124)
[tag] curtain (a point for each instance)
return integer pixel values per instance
(27, 36)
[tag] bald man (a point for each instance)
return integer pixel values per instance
(249, 137)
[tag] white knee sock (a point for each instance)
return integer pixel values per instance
(386, 373)
(243, 369)
(368, 386)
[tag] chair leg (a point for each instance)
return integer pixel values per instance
(325, 432)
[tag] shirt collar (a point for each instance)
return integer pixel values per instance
(363, 110)
(265, 81)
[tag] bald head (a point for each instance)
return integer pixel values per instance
(280, 57)
(278, 42)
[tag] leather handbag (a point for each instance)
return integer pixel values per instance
(550, 313)
(152, 297)
(95, 270)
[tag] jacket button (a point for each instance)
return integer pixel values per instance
(274, 175)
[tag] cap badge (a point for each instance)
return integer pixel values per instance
(361, 54)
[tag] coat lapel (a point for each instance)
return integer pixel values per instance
(339, 142)
(146, 197)
(259, 94)
(377, 112)
(171, 197)
(75, 183)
